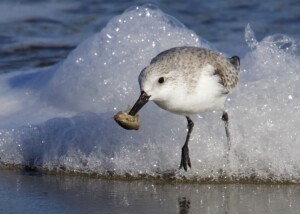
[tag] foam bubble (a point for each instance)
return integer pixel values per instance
(99, 76)
(61, 117)
(102, 71)
(266, 109)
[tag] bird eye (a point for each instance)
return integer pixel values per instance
(161, 80)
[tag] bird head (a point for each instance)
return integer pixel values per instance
(155, 84)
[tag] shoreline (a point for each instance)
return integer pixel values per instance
(166, 178)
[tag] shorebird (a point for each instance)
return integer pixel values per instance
(187, 81)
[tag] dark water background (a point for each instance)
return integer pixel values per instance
(36, 39)
(36, 34)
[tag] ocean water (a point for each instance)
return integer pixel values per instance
(67, 67)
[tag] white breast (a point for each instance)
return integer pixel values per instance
(207, 95)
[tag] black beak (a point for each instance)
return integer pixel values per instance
(143, 99)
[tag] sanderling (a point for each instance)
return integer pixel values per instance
(188, 80)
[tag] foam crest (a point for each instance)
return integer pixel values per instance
(99, 76)
(61, 117)
(266, 110)
(103, 70)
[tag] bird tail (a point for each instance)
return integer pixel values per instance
(235, 61)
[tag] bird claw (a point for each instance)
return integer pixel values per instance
(185, 158)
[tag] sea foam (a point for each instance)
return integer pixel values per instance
(61, 117)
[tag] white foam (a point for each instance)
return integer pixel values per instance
(61, 117)
(266, 109)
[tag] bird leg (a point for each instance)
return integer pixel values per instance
(185, 158)
(225, 118)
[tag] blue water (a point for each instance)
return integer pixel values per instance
(35, 34)
(67, 67)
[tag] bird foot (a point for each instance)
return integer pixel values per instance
(185, 158)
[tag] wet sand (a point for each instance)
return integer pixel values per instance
(35, 192)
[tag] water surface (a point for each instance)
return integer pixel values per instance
(30, 192)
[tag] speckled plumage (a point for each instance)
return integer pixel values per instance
(189, 80)
(184, 69)
(190, 59)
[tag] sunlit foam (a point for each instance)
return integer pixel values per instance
(61, 117)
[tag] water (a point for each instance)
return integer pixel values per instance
(37, 193)
(57, 104)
